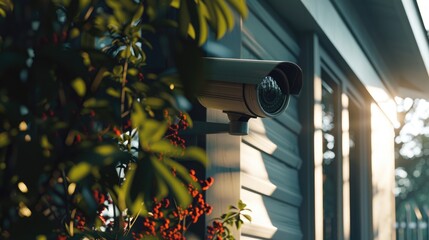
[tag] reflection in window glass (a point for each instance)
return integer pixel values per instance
(329, 164)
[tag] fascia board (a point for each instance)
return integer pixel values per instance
(419, 32)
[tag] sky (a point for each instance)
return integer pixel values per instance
(424, 10)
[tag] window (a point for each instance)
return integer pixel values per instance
(359, 169)
(330, 160)
(337, 174)
(346, 165)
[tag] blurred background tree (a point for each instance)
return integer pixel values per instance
(412, 162)
(92, 95)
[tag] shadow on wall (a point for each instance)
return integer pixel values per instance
(270, 162)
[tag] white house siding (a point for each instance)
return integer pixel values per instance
(269, 155)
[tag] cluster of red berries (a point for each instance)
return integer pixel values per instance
(168, 221)
(140, 76)
(102, 199)
(80, 221)
(61, 237)
(181, 123)
(215, 231)
(55, 38)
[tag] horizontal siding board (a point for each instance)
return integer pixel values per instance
(270, 213)
(273, 139)
(254, 231)
(253, 46)
(265, 167)
(247, 54)
(278, 134)
(268, 189)
(277, 27)
(243, 237)
(267, 146)
(256, 33)
(289, 122)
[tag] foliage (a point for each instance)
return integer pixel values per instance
(165, 219)
(91, 92)
(412, 162)
(169, 221)
(220, 228)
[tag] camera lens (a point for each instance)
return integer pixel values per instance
(270, 95)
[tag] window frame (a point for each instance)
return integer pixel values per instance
(332, 80)
(347, 88)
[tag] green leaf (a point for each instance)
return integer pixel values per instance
(227, 216)
(227, 13)
(123, 191)
(203, 28)
(240, 6)
(105, 150)
(138, 207)
(178, 188)
(162, 187)
(133, 71)
(79, 171)
(113, 92)
(175, 3)
(138, 14)
(44, 142)
(248, 217)
(152, 131)
(94, 103)
(241, 205)
(166, 148)
(79, 86)
(117, 70)
(224, 18)
(117, 9)
(181, 171)
(5, 6)
(184, 18)
(154, 102)
(232, 207)
(138, 116)
(83, 4)
(4, 139)
(196, 153)
(238, 222)
(126, 53)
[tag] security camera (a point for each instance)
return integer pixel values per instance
(247, 89)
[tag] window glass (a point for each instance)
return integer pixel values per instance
(330, 194)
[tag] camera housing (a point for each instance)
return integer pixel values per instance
(245, 88)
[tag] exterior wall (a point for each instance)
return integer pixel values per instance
(383, 181)
(270, 153)
(276, 169)
(223, 152)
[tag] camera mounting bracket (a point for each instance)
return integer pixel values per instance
(238, 126)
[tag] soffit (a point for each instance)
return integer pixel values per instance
(389, 41)
(391, 32)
